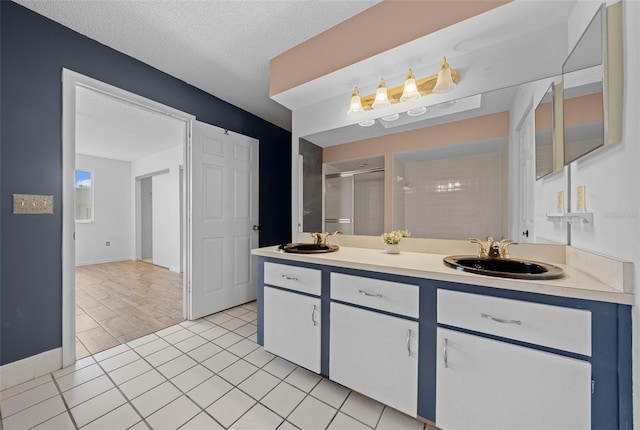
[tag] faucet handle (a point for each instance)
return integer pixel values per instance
(482, 251)
(504, 245)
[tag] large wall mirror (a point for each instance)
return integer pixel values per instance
(448, 191)
(450, 171)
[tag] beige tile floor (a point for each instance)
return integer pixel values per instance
(121, 301)
(204, 374)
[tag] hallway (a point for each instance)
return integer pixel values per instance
(121, 301)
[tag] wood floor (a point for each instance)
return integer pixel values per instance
(118, 302)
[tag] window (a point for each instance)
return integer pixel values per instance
(84, 195)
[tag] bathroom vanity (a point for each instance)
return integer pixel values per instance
(457, 349)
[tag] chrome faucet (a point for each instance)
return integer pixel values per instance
(493, 249)
(321, 238)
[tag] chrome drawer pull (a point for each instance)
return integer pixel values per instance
(364, 293)
(446, 360)
(313, 316)
(409, 342)
(289, 278)
(500, 320)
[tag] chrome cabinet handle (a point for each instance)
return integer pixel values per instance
(409, 342)
(289, 278)
(364, 293)
(313, 316)
(446, 360)
(500, 320)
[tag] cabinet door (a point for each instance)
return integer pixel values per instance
(292, 327)
(487, 384)
(376, 355)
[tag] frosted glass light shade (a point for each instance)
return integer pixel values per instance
(410, 91)
(382, 96)
(445, 82)
(355, 107)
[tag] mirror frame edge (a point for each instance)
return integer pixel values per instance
(558, 127)
(613, 74)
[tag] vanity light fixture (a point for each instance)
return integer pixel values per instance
(411, 90)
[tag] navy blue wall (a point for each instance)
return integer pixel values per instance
(34, 50)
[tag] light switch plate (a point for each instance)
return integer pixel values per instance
(32, 204)
(580, 201)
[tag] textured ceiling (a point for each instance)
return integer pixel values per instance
(221, 47)
(108, 127)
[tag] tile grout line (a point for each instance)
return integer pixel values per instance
(64, 401)
(143, 419)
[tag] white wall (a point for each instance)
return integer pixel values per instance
(166, 162)
(112, 209)
(611, 175)
(163, 243)
(146, 214)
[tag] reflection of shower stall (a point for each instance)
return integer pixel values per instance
(354, 202)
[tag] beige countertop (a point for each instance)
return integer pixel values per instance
(575, 283)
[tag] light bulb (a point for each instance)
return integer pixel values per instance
(410, 91)
(382, 96)
(355, 107)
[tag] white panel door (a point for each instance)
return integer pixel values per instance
(527, 179)
(487, 384)
(376, 355)
(224, 208)
(292, 327)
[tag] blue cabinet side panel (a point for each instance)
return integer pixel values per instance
(260, 301)
(427, 352)
(326, 324)
(34, 52)
(625, 389)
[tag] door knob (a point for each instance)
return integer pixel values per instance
(255, 227)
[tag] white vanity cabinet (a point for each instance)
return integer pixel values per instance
(484, 383)
(292, 321)
(373, 352)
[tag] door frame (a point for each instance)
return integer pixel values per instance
(70, 81)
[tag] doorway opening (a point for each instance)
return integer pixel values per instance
(119, 138)
(212, 180)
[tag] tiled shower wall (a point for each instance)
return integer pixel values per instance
(368, 204)
(456, 198)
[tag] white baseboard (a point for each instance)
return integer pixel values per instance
(110, 260)
(29, 368)
(174, 269)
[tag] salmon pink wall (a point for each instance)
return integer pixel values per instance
(356, 38)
